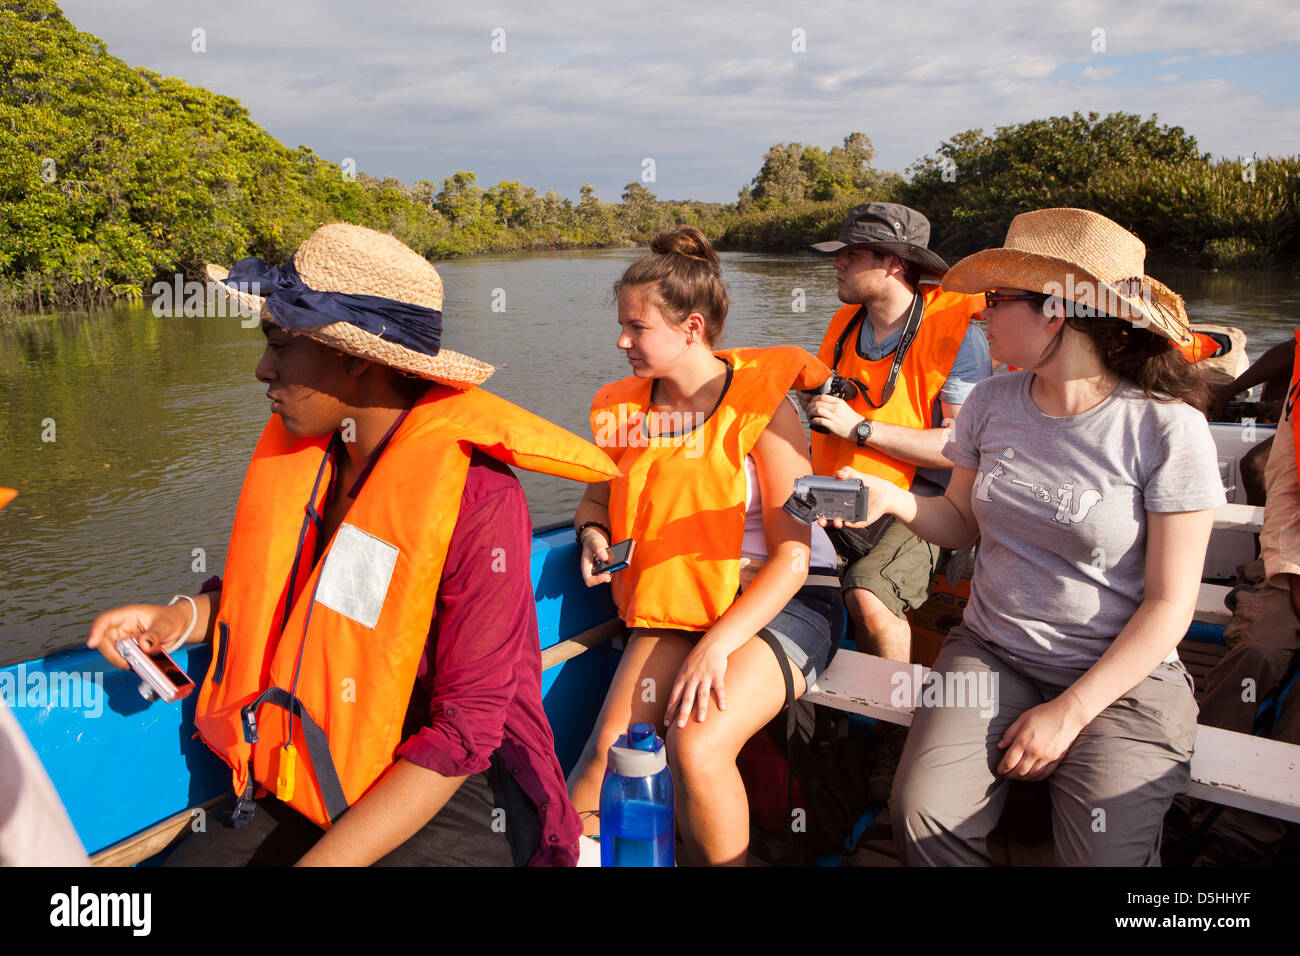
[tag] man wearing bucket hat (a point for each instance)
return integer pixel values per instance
(375, 662)
(1090, 477)
(905, 356)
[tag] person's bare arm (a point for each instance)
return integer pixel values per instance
(1277, 363)
(947, 521)
(153, 624)
(395, 809)
(919, 446)
(1176, 544)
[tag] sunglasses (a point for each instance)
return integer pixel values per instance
(994, 299)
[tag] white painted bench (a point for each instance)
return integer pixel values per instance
(1210, 608)
(1234, 769)
(1239, 518)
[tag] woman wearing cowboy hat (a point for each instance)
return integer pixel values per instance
(1090, 478)
(375, 663)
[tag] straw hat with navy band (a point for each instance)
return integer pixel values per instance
(1082, 258)
(359, 291)
(890, 228)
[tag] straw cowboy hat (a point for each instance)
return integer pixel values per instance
(1083, 258)
(359, 291)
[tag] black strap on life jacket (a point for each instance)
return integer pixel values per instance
(900, 351)
(322, 763)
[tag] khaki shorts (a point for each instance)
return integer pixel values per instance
(897, 570)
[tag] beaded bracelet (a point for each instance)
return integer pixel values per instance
(609, 536)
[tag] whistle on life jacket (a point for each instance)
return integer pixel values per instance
(284, 778)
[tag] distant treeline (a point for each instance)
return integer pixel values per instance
(1150, 178)
(113, 177)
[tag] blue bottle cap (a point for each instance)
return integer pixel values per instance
(642, 737)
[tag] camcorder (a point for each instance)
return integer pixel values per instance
(816, 496)
(837, 386)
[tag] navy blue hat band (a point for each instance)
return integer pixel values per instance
(298, 307)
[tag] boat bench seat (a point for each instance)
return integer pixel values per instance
(1239, 518)
(1237, 770)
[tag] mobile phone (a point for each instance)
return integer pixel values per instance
(620, 556)
(160, 677)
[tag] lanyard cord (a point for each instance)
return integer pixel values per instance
(900, 351)
(645, 418)
(315, 517)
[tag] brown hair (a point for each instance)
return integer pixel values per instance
(1145, 358)
(684, 276)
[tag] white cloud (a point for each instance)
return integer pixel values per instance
(415, 91)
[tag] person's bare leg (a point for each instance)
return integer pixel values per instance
(712, 808)
(638, 692)
(878, 630)
(1252, 467)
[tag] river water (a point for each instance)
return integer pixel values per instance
(127, 435)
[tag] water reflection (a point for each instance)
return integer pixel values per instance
(154, 419)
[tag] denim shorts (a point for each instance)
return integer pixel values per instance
(809, 627)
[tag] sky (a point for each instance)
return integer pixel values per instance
(556, 94)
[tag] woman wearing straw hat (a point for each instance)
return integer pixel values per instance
(1090, 478)
(375, 642)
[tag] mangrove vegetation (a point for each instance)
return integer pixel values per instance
(113, 178)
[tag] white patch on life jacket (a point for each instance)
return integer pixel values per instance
(356, 575)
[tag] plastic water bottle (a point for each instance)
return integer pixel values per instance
(636, 802)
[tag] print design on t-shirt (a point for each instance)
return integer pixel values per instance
(1068, 509)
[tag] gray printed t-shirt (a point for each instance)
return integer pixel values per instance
(1061, 505)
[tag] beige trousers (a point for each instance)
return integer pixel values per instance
(1109, 793)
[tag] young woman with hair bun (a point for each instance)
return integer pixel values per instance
(720, 577)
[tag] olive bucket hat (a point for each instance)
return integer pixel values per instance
(888, 227)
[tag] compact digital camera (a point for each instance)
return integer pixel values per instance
(620, 557)
(160, 677)
(816, 496)
(837, 386)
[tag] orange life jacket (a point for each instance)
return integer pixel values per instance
(683, 498)
(925, 368)
(1200, 348)
(339, 643)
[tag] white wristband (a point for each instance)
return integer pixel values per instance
(194, 618)
(590, 531)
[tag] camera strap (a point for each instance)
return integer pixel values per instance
(900, 351)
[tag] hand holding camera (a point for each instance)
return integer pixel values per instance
(828, 410)
(160, 677)
(150, 624)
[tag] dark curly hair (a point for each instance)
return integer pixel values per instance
(1145, 358)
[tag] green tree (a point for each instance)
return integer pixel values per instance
(460, 200)
(976, 184)
(782, 177)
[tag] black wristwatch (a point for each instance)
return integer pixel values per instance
(863, 431)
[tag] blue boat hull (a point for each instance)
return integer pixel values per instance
(121, 764)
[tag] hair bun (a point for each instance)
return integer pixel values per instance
(686, 241)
